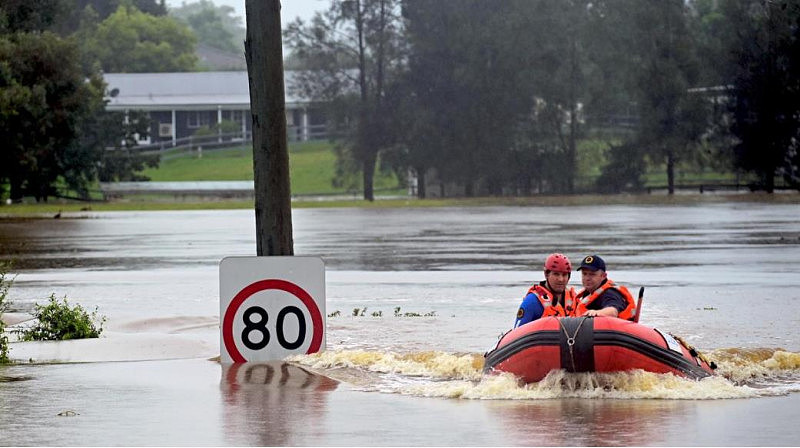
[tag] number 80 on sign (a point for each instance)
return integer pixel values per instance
(269, 319)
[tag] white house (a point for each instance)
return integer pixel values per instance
(180, 103)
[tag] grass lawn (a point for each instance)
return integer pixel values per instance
(312, 167)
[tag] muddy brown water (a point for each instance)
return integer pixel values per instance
(723, 276)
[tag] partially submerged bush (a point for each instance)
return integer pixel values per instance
(57, 321)
(5, 285)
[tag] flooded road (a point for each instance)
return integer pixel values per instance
(724, 276)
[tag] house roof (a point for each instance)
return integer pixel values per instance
(186, 90)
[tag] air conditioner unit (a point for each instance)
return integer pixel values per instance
(165, 129)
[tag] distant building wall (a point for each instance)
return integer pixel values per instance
(178, 104)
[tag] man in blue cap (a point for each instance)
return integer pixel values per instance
(600, 296)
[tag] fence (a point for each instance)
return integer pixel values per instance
(227, 140)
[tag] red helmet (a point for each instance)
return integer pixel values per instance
(558, 263)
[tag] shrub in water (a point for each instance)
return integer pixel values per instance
(5, 285)
(57, 321)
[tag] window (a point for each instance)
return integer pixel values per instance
(237, 116)
(198, 118)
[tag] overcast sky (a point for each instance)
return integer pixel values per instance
(290, 9)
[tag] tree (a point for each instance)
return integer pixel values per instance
(352, 49)
(264, 53)
(470, 74)
(52, 112)
(766, 87)
(130, 41)
(214, 26)
(562, 80)
(28, 15)
(673, 119)
(71, 11)
(44, 98)
(109, 139)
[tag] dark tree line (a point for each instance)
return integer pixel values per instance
(54, 129)
(490, 96)
(497, 96)
(765, 79)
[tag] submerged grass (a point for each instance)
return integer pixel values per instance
(79, 209)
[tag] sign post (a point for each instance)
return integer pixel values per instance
(271, 307)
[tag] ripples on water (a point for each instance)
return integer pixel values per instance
(741, 374)
(155, 275)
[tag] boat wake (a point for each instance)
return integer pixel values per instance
(742, 373)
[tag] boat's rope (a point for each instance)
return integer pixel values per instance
(571, 339)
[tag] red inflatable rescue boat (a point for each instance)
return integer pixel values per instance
(592, 344)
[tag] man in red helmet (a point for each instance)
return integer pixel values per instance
(550, 297)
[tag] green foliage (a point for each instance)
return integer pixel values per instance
(28, 16)
(53, 121)
(673, 119)
(3, 344)
(204, 131)
(766, 88)
(130, 41)
(365, 39)
(228, 127)
(624, 170)
(5, 285)
(45, 100)
(57, 321)
(361, 312)
(214, 26)
(115, 130)
(470, 75)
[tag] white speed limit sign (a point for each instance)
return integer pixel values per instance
(271, 307)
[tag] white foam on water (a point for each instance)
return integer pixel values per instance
(757, 365)
(452, 375)
(178, 337)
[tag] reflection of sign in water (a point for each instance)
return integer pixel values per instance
(275, 374)
(266, 319)
(272, 403)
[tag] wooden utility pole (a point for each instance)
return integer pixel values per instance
(264, 54)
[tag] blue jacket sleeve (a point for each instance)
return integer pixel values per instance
(530, 310)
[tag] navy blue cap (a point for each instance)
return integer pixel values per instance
(593, 262)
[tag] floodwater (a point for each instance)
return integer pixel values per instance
(722, 275)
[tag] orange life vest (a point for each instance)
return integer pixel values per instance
(583, 302)
(548, 301)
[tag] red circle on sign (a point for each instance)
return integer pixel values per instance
(262, 285)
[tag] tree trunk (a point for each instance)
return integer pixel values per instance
(421, 192)
(368, 169)
(670, 173)
(573, 117)
(264, 54)
(15, 190)
(571, 149)
(469, 189)
(364, 151)
(769, 181)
